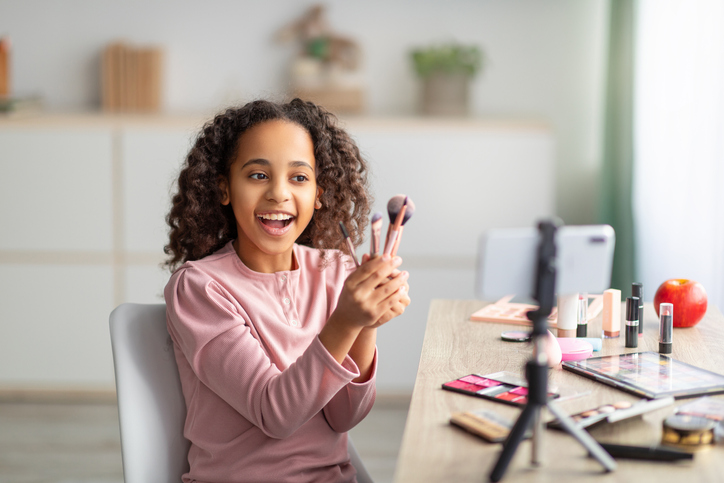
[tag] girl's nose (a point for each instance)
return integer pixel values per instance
(278, 191)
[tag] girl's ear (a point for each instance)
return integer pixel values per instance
(224, 187)
(318, 202)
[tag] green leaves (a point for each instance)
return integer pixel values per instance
(450, 58)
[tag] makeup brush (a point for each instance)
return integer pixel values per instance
(396, 211)
(394, 207)
(350, 246)
(376, 231)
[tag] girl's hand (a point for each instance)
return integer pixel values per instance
(375, 293)
(399, 307)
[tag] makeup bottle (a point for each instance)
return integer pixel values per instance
(666, 328)
(567, 322)
(637, 290)
(582, 329)
(632, 322)
(611, 323)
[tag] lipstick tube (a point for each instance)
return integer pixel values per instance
(666, 328)
(637, 290)
(632, 322)
(582, 329)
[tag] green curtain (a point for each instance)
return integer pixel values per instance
(615, 205)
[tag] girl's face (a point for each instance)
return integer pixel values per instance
(272, 189)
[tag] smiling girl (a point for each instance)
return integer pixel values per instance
(274, 331)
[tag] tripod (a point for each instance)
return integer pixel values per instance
(536, 369)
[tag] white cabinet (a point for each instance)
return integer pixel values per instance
(83, 201)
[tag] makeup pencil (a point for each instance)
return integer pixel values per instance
(376, 229)
(350, 246)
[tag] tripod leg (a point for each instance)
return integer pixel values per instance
(516, 435)
(584, 438)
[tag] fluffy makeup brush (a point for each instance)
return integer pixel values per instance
(400, 208)
(376, 229)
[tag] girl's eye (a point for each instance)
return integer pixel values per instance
(258, 176)
(300, 178)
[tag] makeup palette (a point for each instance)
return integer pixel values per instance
(506, 312)
(614, 412)
(491, 387)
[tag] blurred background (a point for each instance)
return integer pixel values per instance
(488, 113)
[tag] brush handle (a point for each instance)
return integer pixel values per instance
(397, 241)
(376, 229)
(391, 240)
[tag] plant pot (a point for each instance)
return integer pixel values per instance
(446, 94)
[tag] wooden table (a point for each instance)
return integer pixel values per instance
(433, 450)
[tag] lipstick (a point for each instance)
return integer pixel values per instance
(582, 329)
(632, 322)
(637, 290)
(666, 328)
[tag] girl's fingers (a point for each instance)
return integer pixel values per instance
(375, 272)
(391, 288)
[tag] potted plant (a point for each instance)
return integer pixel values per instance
(445, 71)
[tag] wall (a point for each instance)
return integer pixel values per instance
(545, 59)
(545, 62)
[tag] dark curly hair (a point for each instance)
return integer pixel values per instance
(200, 224)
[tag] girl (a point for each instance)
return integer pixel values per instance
(273, 332)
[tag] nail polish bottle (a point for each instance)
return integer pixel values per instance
(632, 322)
(666, 328)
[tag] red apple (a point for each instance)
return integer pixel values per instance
(688, 297)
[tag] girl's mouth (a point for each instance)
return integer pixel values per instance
(275, 223)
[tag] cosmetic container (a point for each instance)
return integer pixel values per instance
(567, 315)
(666, 328)
(632, 322)
(637, 290)
(611, 324)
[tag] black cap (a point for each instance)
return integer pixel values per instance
(637, 290)
(632, 308)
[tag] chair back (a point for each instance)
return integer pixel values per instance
(151, 407)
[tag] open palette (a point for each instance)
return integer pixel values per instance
(649, 374)
(504, 387)
(506, 312)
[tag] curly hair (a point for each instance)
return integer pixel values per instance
(200, 224)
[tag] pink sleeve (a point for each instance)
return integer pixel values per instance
(212, 332)
(355, 400)
(352, 403)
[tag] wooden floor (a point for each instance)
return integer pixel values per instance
(46, 442)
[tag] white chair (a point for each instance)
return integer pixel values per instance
(151, 406)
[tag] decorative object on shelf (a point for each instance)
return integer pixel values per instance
(4, 67)
(326, 70)
(11, 104)
(131, 78)
(445, 71)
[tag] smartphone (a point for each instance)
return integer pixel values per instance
(507, 260)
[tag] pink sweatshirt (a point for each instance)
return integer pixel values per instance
(265, 400)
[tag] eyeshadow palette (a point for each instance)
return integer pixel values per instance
(649, 374)
(614, 412)
(500, 387)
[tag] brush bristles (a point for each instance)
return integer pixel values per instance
(376, 217)
(395, 205)
(345, 233)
